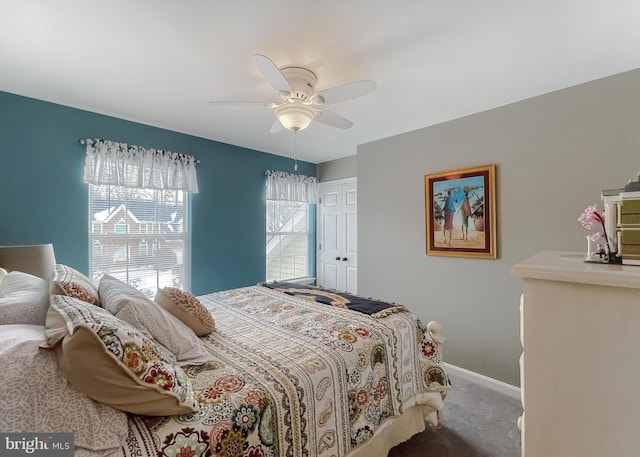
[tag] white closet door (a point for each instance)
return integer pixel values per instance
(350, 230)
(337, 255)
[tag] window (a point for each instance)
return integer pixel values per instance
(143, 249)
(139, 198)
(97, 248)
(140, 236)
(287, 240)
(289, 246)
(121, 227)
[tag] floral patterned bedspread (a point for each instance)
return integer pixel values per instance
(291, 377)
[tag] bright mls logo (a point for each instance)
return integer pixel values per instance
(36, 444)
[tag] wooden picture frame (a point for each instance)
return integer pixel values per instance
(459, 197)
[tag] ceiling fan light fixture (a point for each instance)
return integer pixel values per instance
(295, 116)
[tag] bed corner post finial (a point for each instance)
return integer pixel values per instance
(435, 329)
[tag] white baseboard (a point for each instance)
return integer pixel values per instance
(502, 387)
(305, 280)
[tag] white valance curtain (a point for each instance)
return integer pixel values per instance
(289, 187)
(119, 164)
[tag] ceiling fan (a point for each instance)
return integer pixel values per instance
(300, 102)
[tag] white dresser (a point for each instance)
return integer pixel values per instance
(580, 369)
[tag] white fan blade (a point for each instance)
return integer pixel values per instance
(271, 73)
(241, 103)
(277, 127)
(334, 120)
(345, 92)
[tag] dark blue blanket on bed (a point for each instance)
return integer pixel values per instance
(334, 297)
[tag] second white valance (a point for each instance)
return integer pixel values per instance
(290, 187)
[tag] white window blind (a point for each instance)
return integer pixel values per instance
(287, 240)
(140, 236)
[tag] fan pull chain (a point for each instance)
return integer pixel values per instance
(295, 151)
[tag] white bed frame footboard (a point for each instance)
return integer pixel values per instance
(435, 330)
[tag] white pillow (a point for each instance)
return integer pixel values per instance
(36, 398)
(24, 299)
(3, 272)
(130, 305)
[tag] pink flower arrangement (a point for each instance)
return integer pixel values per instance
(590, 217)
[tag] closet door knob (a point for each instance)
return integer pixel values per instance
(344, 259)
(337, 258)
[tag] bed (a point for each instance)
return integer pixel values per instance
(265, 370)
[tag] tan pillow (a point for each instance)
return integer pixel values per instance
(76, 284)
(186, 307)
(113, 363)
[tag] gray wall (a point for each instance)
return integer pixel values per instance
(337, 169)
(554, 154)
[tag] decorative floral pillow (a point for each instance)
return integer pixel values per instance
(76, 285)
(112, 362)
(186, 307)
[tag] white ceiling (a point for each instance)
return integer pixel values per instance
(159, 62)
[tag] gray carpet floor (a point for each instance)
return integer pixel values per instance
(477, 422)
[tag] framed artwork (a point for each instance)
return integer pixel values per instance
(460, 208)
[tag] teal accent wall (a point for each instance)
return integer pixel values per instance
(44, 200)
